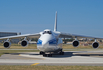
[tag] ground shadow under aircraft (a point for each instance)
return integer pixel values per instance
(66, 54)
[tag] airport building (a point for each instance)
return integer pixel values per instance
(4, 34)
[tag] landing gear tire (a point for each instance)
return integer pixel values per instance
(61, 50)
(41, 53)
(44, 55)
(61, 53)
(47, 55)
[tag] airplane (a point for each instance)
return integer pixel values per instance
(49, 41)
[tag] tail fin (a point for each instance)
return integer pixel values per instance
(55, 26)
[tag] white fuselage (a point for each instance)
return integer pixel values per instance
(49, 42)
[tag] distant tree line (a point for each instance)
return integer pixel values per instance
(34, 39)
(64, 40)
(68, 40)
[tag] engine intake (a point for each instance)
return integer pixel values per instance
(24, 43)
(7, 44)
(95, 45)
(75, 43)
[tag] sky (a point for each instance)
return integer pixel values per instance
(83, 17)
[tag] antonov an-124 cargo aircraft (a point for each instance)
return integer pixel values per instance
(49, 41)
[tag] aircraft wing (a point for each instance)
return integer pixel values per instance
(36, 35)
(68, 35)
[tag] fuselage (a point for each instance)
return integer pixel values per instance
(49, 41)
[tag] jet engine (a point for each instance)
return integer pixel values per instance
(75, 43)
(7, 44)
(24, 43)
(95, 45)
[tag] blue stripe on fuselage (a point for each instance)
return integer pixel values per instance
(39, 42)
(53, 41)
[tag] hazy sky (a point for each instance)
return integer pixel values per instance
(84, 17)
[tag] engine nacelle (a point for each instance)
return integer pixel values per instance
(95, 45)
(75, 43)
(7, 44)
(24, 43)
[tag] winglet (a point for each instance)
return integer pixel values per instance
(55, 26)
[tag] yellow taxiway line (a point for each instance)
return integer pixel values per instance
(35, 64)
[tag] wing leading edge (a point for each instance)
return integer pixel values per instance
(68, 35)
(36, 35)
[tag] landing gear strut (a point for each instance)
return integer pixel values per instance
(61, 52)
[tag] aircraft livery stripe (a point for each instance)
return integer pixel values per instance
(53, 41)
(39, 42)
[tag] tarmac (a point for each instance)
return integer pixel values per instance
(83, 58)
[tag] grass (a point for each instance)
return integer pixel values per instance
(18, 46)
(66, 46)
(14, 67)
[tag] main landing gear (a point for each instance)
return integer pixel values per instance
(41, 53)
(61, 52)
(50, 55)
(45, 55)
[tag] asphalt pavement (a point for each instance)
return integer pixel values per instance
(85, 58)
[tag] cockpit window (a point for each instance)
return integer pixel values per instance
(47, 32)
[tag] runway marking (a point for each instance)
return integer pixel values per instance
(35, 64)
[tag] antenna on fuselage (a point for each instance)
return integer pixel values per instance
(55, 26)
